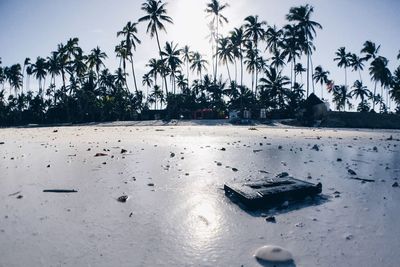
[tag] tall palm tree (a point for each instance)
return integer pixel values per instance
(299, 69)
(302, 16)
(225, 54)
(156, 15)
(198, 64)
(147, 81)
(274, 38)
(172, 59)
(362, 92)
(39, 70)
(238, 39)
(14, 77)
(379, 73)
(215, 8)
(251, 62)
(129, 32)
(63, 61)
(95, 59)
(27, 62)
(254, 29)
(370, 50)
(123, 54)
(321, 76)
(343, 59)
(187, 57)
(357, 64)
(291, 47)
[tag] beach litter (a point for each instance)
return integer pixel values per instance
(60, 191)
(267, 192)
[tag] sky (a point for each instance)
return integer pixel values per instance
(31, 28)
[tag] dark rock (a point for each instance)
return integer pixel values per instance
(223, 149)
(150, 184)
(122, 199)
(351, 172)
(282, 175)
(396, 184)
(271, 219)
(100, 155)
(123, 151)
(234, 169)
(172, 155)
(20, 196)
(315, 147)
(339, 160)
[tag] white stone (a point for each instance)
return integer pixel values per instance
(273, 254)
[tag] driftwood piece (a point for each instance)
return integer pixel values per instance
(60, 191)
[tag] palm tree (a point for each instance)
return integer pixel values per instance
(274, 38)
(238, 39)
(122, 52)
(278, 60)
(215, 9)
(299, 69)
(379, 73)
(14, 77)
(156, 15)
(172, 59)
(362, 92)
(251, 62)
(341, 97)
(254, 30)
(321, 76)
(273, 87)
(53, 67)
(225, 54)
(370, 50)
(291, 47)
(356, 63)
(147, 81)
(198, 63)
(186, 57)
(129, 32)
(343, 59)
(39, 69)
(62, 59)
(27, 62)
(95, 59)
(302, 15)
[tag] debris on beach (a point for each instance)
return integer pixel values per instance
(315, 147)
(273, 254)
(271, 219)
(122, 198)
(363, 180)
(395, 184)
(60, 191)
(351, 172)
(101, 155)
(123, 151)
(1, 143)
(269, 192)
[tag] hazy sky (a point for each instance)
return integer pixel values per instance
(31, 28)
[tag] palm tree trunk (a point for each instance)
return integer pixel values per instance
(187, 71)
(312, 74)
(345, 76)
(373, 97)
(241, 67)
(308, 69)
(216, 51)
(134, 75)
(229, 74)
(159, 49)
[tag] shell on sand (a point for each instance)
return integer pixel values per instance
(273, 254)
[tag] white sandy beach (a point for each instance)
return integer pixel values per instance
(185, 218)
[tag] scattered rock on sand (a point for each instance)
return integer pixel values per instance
(271, 219)
(122, 199)
(282, 175)
(273, 254)
(396, 184)
(234, 169)
(315, 147)
(172, 155)
(100, 155)
(1, 143)
(123, 151)
(351, 172)
(339, 160)
(20, 196)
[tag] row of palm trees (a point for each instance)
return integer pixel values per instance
(87, 90)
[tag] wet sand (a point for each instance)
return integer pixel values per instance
(176, 213)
